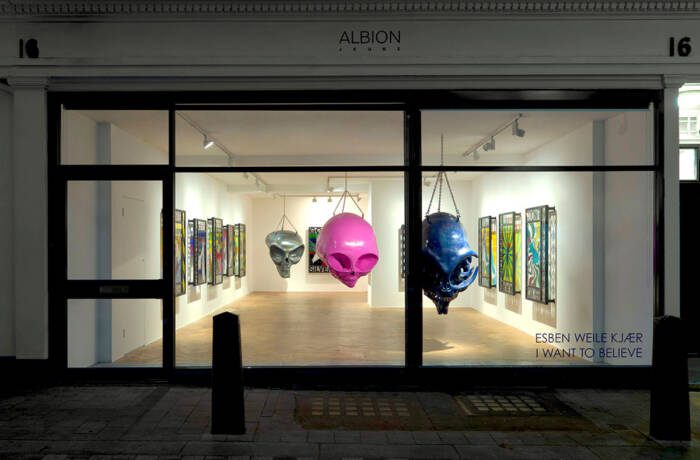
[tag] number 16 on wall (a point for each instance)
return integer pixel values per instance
(682, 49)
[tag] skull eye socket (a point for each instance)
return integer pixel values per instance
(295, 255)
(340, 262)
(366, 263)
(276, 254)
(460, 272)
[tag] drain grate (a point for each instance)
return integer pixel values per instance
(339, 406)
(361, 411)
(512, 404)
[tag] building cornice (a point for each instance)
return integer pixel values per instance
(27, 82)
(58, 9)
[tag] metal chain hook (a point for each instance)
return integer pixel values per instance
(442, 176)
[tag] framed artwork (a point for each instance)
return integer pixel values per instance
(201, 243)
(487, 249)
(538, 238)
(216, 236)
(552, 259)
(190, 251)
(210, 248)
(180, 240)
(230, 253)
(240, 253)
(224, 250)
(236, 250)
(402, 252)
(316, 265)
(508, 254)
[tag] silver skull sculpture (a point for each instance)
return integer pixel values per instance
(286, 249)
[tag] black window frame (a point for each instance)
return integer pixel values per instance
(411, 103)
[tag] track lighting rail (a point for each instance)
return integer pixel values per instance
(488, 142)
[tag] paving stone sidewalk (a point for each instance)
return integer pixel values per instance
(171, 422)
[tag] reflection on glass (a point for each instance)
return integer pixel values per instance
(289, 138)
(114, 229)
(688, 164)
(586, 271)
(536, 137)
(308, 318)
(114, 137)
(115, 333)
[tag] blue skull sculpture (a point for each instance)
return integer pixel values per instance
(447, 259)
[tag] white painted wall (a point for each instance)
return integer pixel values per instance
(628, 295)
(387, 216)
(201, 196)
(571, 195)
(304, 214)
(30, 218)
(629, 218)
(7, 310)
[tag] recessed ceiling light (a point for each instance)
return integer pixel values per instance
(206, 143)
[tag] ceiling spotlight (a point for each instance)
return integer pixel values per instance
(206, 143)
(330, 200)
(491, 145)
(313, 200)
(517, 131)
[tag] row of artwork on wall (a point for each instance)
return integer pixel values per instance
(501, 261)
(206, 251)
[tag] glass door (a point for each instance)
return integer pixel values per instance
(112, 202)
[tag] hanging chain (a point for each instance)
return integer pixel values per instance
(345, 189)
(284, 218)
(442, 162)
(442, 176)
(284, 209)
(344, 197)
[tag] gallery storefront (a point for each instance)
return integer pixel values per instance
(150, 174)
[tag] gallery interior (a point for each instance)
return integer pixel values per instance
(589, 234)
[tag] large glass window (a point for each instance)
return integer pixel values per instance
(292, 310)
(688, 164)
(565, 273)
(289, 138)
(114, 229)
(536, 246)
(533, 137)
(115, 333)
(114, 137)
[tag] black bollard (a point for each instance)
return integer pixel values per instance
(227, 409)
(670, 406)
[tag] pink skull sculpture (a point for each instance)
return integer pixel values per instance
(348, 246)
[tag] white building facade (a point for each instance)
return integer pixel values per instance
(547, 50)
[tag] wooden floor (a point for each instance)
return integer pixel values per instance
(288, 329)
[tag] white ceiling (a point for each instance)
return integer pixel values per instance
(462, 129)
(266, 138)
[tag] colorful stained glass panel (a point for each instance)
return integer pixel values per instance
(180, 237)
(508, 253)
(487, 248)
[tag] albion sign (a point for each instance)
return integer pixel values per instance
(370, 37)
